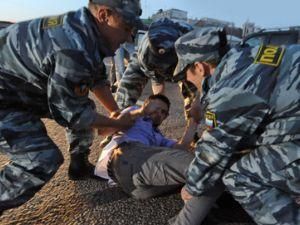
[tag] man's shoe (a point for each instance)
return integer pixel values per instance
(80, 168)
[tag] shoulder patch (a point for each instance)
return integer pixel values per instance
(210, 119)
(269, 55)
(50, 22)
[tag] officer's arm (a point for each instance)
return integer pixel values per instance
(131, 85)
(106, 98)
(132, 112)
(68, 89)
(236, 115)
(101, 122)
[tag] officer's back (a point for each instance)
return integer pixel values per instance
(271, 73)
(30, 49)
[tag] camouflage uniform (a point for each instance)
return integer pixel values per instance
(47, 67)
(209, 45)
(252, 102)
(155, 60)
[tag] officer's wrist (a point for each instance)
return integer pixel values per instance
(115, 113)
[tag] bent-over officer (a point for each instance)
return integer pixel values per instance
(251, 109)
(155, 60)
(47, 68)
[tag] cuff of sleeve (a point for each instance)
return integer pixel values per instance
(192, 190)
(101, 83)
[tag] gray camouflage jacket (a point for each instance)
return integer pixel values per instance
(138, 73)
(252, 100)
(48, 65)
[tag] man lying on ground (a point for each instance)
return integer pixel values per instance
(141, 160)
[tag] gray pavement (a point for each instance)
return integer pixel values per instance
(62, 201)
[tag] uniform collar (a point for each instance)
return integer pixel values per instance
(207, 83)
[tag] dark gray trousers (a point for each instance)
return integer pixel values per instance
(196, 209)
(146, 171)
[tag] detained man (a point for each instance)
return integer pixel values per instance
(141, 160)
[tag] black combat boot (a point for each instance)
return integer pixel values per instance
(80, 168)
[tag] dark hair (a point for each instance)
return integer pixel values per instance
(160, 97)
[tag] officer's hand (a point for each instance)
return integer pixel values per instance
(125, 120)
(195, 111)
(115, 114)
(185, 195)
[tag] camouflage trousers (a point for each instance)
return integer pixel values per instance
(266, 181)
(34, 157)
(80, 141)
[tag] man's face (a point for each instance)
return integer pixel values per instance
(195, 74)
(120, 31)
(191, 76)
(157, 111)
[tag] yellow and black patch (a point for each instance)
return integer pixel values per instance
(54, 21)
(269, 55)
(210, 120)
(81, 90)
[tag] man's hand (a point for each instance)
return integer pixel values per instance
(185, 195)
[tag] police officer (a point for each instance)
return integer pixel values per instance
(250, 102)
(199, 52)
(155, 60)
(47, 68)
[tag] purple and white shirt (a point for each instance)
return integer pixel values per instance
(142, 131)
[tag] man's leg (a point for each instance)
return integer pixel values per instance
(264, 183)
(196, 209)
(80, 142)
(145, 171)
(34, 158)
